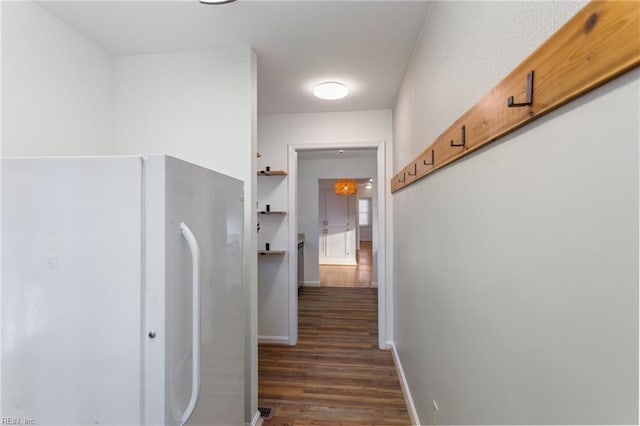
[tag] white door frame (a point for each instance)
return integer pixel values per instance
(292, 167)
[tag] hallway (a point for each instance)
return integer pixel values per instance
(335, 374)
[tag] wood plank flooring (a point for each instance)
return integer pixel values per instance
(350, 276)
(335, 375)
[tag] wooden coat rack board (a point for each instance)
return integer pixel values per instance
(601, 42)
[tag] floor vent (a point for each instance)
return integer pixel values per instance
(266, 412)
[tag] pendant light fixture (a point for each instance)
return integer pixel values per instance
(345, 187)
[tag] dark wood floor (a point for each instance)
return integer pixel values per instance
(335, 374)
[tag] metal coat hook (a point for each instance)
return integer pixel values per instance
(415, 170)
(463, 141)
(511, 103)
(404, 178)
(433, 158)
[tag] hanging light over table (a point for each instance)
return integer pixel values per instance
(345, 187)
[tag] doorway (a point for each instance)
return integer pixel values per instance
(338, 225)
(345, 254)
(304, 219)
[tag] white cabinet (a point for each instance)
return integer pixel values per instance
(337, 232)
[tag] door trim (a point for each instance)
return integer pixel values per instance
(384, 291)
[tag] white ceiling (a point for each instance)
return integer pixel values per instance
(365, 44)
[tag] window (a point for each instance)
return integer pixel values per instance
(364, 209)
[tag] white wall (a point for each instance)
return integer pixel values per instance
(194, 105)
(275, 134)
(366, 232)
(516, 268)
(56, 87)
(309, 172)
(199, 106)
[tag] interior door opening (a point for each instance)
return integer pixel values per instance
(345, 244)
(308, 164)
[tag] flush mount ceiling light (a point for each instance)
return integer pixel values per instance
(330, 90)
(216, 1)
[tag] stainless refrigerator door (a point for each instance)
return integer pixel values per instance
(210, 204)
(71, 290)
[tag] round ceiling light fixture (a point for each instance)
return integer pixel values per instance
(330, 90)
(216, 1)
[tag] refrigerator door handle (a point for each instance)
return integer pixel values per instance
(195, 380)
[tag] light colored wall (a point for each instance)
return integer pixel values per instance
(309, 171)
(516, 268)
(275, 134)
(366, 232)
(200, 107)
(463, 64)
(194, 105)
(56, 87)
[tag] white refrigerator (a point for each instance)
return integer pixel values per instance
(121, 293)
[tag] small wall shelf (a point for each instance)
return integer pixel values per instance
(271, 252)
(272, 173)
(276, 255)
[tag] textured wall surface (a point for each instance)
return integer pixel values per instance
(466, 48)
(516, 268)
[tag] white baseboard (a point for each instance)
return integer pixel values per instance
(256, 420)
(374, 284)
(311, 283)
(275, 340)
(413, 414)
